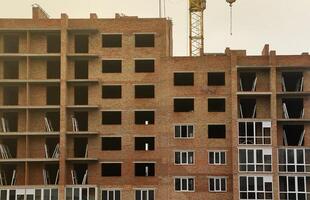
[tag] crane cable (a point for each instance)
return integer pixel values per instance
(231, 19)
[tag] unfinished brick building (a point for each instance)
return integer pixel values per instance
(98, 109)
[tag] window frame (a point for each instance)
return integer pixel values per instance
(187, 159)
(255, 191)
(187, 131)
(141, 190)
(214, 179)
(295, 163)
(108, 190)
(255, 163)
(187, 178)
(219, 152)
(297, 190)
(255, 136)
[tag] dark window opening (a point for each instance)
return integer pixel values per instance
(184, 79)
(11, 43)
(10, 95)
(53, 120)
(247, 108)
(111, 169)
(8, 170)
(81, 43)
(216, 131)
(11, 69)
(144, 117)
(144, 143)
(144, 169)
(52, 173)
(51, 148)
(111, 117)
(9, 122)
(53, 43)
(53, 69)
(293, 108)
(111, 91)
(52, 95)
(80, 121)
(111, 143)
(81, 147)
(247, 81)
(8, 148)
(112, 40)
(144, 40)
(183, 105)
(81, 95)
(111, 66)
(216, 105)
(144, 66)
(292, 81)
(81, 69)
(293, 135)
(144, 91)
(80, 172)
(216, 78)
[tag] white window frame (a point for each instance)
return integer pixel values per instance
(27, 191)
(218, 179)
(108, 190)
(295, 164)
(265, 152)
(297, 189)
(188, 136)
(186, 179)
(141, 190)
(187, 160)
(80, 191)
(266, 179)
(247, 139)
(219, 155)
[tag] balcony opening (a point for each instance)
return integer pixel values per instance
(145, 66)
(10, 69)
(81, 43)
(293, 108)
(81, 147)
(111, 66)
(144, 40)
(10, 95)
(51, 148)
(247, 108)
(53, 69)
(144, 91)
(183, 105)
(217, 131)
(80, 121)
(8, 175)
(52, 121)
(80, 95)
(183, 78)
(111, 117)
(144, 117)
(216, 105)
(51, 174)
(144, 169)
(247, 81)
(53, 43)
(81, 69)
(111, 143)
(9, 122)
(11, 43)
(111, 91)
(111, 169)
(111, 40)
(52, 95)
(216, 78)
(79, 174)
(144, 143)
(8, 148)
(293, 135)
(292, 81)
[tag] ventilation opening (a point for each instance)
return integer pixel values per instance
(111, 40)
(216, 131)
(81, 69)
(144, 91)
(52, 121)
(11, 43)
(111, 91)
(79, 174)
(144, 66)
(81, 43)
(293, 108)
(247, 81)
(144, 117)
(80, 147)
(53, 43)
(52, 95)
(53, 69)
(292, 81)
(10, 69)
(51, 148)
(293, 135)
(10, 95)
(216, 105)
(81, 95)
(216, 78)
(111, 117)
(8, 175)
(144, 143)
(8, 148)
(144, 40)
(51, 174)
(183, 105)
(184, 79)
(144, 169)
(247, 108)
(80, 121)
(111, 169)
(111, 143)
(9, 122)
(111, 66)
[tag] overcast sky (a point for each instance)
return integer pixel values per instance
(284, 24)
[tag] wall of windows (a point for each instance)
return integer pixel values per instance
(294, 187)
(252, 133)
(255, 187)
(255, 160)
(294, 160)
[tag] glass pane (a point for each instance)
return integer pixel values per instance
(84, 194)
(177, 157)
(243, 183)
(301, 184)
(177, 130)
(46, 194)
(30, 197)
(282, 154)
(290, 156)
(111, 195)
(138, 195)
(184, 184)
(211, 182)
(259, 156)
(260, 183)
(223, 158)
(144, 195)
(151, 195)
(184, 157)
(92, 193)
(76, 194)
(190, 184)
(117, 195)
(300, 156)
(104, 195)
(217, 157)
(242, 156)
(3, 195)
(250, 156)
(190, 131)
(177, 183)
(211, 157)
(184, 131)
(241, 129)
(223, 184)
(54, 194)
(12, 194)
(251, 183)
(291, 183)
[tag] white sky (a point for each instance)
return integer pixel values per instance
(284, 24)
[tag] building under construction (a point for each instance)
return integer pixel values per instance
(99, 109)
